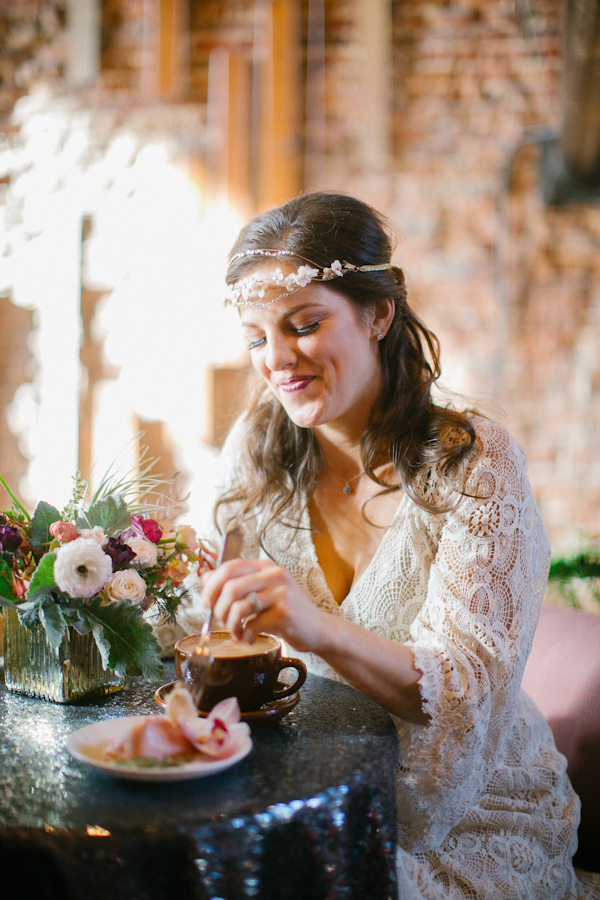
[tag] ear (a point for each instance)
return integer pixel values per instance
(383, 313)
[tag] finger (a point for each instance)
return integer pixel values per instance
(268, 621)
(241, 600)
(255, 602)
(214, 581)
(241, 612)
(236, 589)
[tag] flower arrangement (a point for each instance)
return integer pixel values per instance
(99, 565)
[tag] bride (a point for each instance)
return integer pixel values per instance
(397, 544)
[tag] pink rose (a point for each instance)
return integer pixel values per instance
(63, 532)
(148, 527)
(186, 539)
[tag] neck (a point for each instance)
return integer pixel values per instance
(342, 456)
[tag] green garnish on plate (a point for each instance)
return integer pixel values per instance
(146, 762)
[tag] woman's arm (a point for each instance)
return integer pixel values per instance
(380, 668)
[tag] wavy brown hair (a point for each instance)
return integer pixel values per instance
(281, 462)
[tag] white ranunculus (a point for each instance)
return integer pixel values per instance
(146, 553)
(95, 534)
(81, 568)
(125, 585)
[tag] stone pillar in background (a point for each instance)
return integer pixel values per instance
(16, 367)
(83, 42)
(277, 49)
(373, 38)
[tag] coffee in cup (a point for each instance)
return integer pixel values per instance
(246, 671)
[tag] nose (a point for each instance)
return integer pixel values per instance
(280, 353)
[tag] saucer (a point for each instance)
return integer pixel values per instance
(269, 712)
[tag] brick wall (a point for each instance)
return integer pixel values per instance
(31, 46)
(510, 285)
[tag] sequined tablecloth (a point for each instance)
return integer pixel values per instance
(308, 815)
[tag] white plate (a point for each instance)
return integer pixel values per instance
(88, 744)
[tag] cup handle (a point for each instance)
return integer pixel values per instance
(288, 662)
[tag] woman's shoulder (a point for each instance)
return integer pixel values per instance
(482, 465)
(494, 441)
(491, 443)
(498, 464)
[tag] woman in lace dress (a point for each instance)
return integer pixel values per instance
(397, 544)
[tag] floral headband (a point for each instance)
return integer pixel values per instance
(251, 290)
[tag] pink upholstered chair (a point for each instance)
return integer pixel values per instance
(562, 676)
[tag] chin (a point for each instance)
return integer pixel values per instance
(304, 418)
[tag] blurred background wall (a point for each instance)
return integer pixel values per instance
(136, 136)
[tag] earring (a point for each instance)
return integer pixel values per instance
(380, 337)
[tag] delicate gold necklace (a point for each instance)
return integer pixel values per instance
(347, 481)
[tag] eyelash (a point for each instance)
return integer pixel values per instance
(308, 329)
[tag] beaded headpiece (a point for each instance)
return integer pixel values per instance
(249, 291)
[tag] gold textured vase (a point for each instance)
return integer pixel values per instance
(63, 674)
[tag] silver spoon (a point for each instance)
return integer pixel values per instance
(201, 659)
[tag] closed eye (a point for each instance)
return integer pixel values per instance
(307, 329)
(257, 343)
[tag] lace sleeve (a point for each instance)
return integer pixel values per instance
(473, 634)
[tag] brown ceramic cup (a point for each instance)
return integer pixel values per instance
(246, 671)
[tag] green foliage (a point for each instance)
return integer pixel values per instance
(53, 620)
(124, 639)
(16, 502)
(569, 575)
(144, 492)
(583, 565)
(5, 581)
(39, 532)
(69, 513)
(42, 583)
(110, 513)
(29, 614)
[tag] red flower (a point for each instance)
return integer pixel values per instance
(148, 527)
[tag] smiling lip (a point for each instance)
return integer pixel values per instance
(291, 385)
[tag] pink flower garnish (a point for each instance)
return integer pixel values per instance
(63, 531)
(219, 735)
(156, 738)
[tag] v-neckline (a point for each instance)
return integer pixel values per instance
(315, 559)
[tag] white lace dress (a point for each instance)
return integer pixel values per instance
(485, 807)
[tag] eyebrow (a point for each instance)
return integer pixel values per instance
(299, 308)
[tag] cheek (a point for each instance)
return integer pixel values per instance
(257, 362)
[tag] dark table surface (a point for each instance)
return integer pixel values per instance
(309, 813)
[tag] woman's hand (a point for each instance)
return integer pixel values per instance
(238, 589)
(250, 596)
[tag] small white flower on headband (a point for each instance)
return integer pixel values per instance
(334, 271)
(249, 291)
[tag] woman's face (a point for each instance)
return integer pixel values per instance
(317, 355)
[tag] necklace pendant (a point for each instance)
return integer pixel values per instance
(347, 489)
